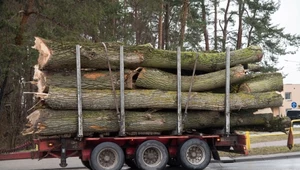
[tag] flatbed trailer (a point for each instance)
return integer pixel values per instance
(194, 151)
(191, 150)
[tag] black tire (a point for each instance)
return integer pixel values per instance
(151, 155)
(107, 156)
(86, 164)
(130, 163)
(194, 154)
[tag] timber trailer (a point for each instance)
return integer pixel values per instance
(191, 150)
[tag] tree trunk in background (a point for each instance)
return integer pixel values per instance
(184, 14)
(66, 98)
(166, 24)
(224, 29)
(241, 5)
(160, 25)
(215, 25)
(204, 22)
(55, 122)
(136, 26)
(58, 55)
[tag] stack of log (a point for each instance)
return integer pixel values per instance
(150, 95)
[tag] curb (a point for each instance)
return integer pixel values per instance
(259, 157)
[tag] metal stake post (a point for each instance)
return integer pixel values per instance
(122, 96)
(227, 95)
(179, 123)
(79, 95)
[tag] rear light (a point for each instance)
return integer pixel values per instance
(50, 144)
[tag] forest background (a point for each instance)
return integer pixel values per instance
(197, 25)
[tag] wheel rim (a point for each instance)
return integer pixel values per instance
(152, 156)
(108, 158)
(195, 154)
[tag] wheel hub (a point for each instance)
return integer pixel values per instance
(194, 155)
(151, 156)
(107, 158)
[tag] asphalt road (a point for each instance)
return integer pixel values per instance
(75, 164)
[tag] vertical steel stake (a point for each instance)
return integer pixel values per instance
(227, 95)
(122, 96)
(179, 114)
(79, 95)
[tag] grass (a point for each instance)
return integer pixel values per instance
(264, 151)
(257, 139)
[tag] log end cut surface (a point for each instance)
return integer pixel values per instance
(44, 51)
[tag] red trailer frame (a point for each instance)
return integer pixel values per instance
(63, 148)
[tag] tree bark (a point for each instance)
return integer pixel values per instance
(167, 25)
(184, 14)
(160, 25)
(224, 29)
(215, 25)
(255, 67)
(89, 79)
(56, 122)
(204, 22)
(241, 5)
(158, 79)
(66, 98)
(57, 55)
(262, 83)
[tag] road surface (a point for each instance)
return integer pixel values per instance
(75, 164)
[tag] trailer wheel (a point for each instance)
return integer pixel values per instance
(86, 164)
(130, 163)
(151, 154)
(194, 154)
(107, 156)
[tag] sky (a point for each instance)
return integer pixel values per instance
(288, 16)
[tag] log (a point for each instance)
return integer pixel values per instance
(262, 83)
(89, 79)
(255, 67)
(158, 79)
(55, 122)
(61, 55)
(66, 98)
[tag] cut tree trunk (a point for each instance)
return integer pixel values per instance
(66, 98)
(55, 122)
(262, 83)
(255, 67)
(61, 55)
(158, 79)
(89, 79)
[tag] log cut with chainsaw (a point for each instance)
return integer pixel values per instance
(262, 83)
(54, 55)
(93, 79)
(151, 97)
(55, 122)
(66, 98)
